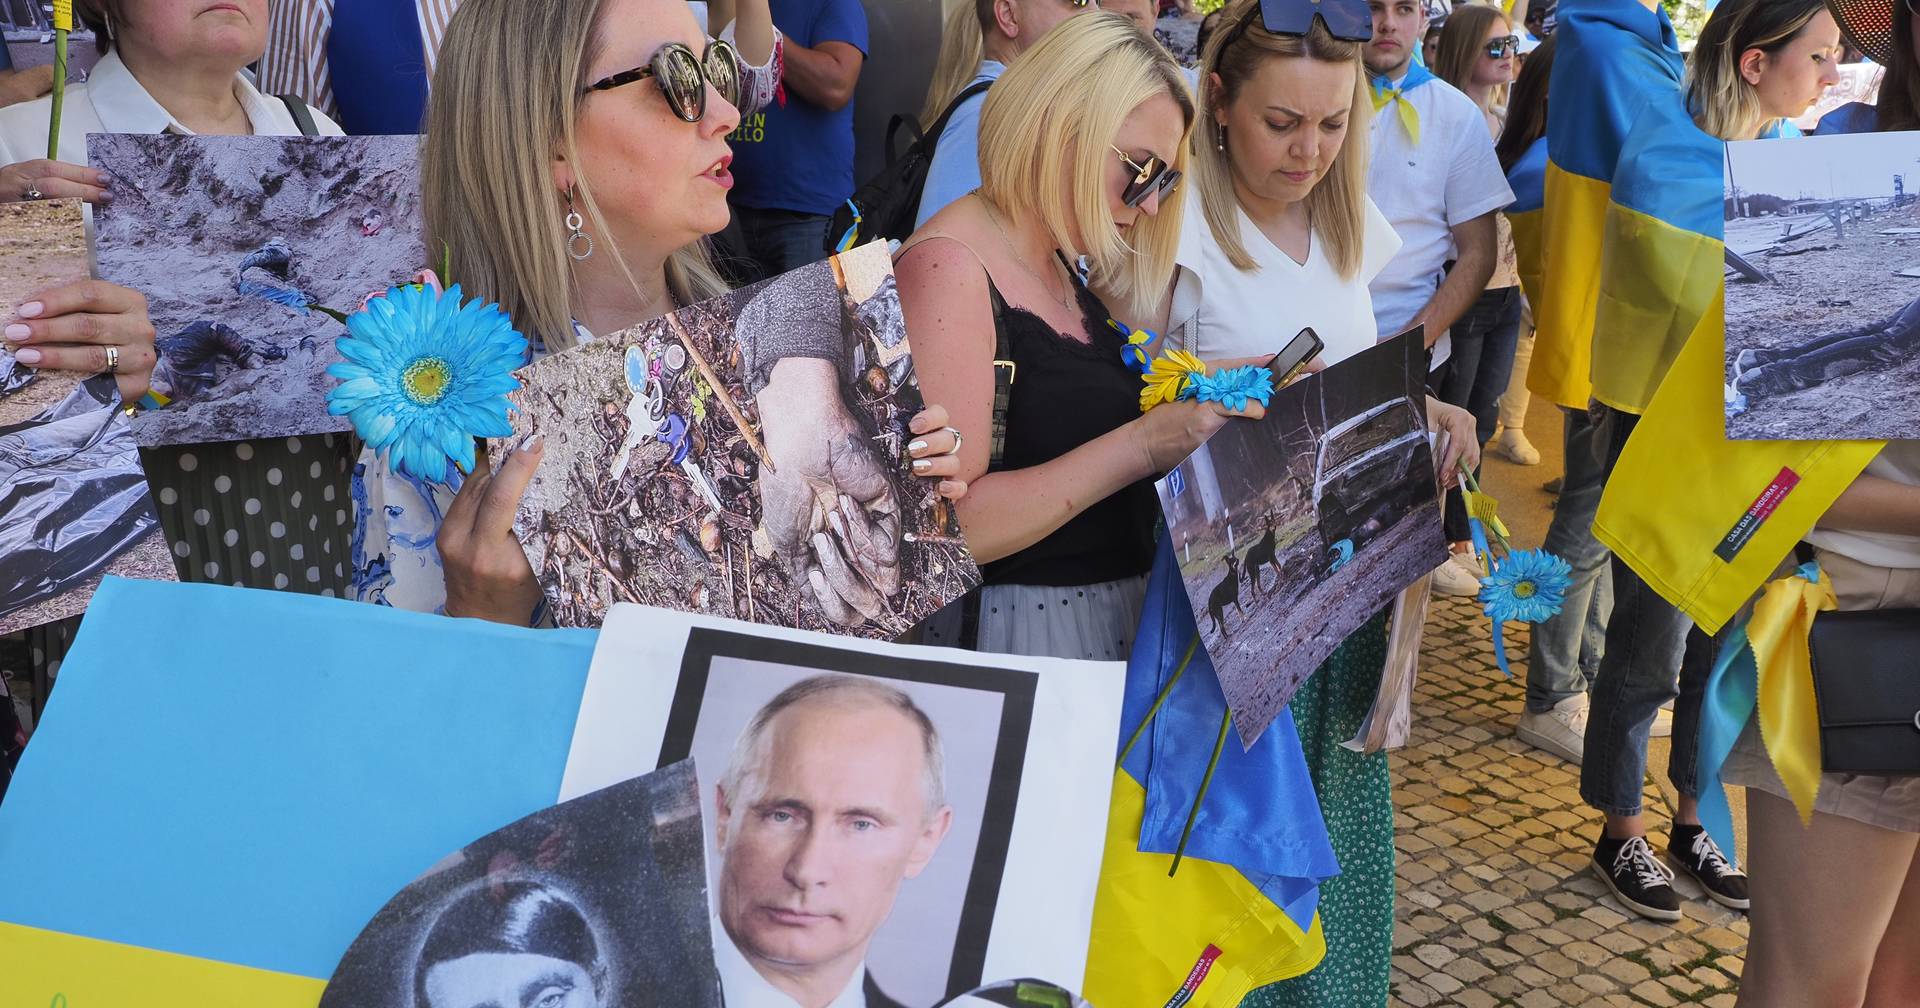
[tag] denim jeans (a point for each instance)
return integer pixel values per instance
(1476, 375)
(782, 240)
(1641, 670)
(1567, 648)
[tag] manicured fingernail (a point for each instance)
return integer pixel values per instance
(106, 196)
(916, 447)
(31, 309)
(948, 488)
(18, 333)
(922, 465)
(28, 356)
(534, 443)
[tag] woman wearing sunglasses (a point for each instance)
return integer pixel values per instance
(1280, 236)
(1081, 147)
(574, 164)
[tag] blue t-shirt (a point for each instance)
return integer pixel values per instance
(800, 156)
(955, 169)
(1853, 117)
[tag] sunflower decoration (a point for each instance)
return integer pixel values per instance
(425, 374)
(1168, 378)
(1521, 586)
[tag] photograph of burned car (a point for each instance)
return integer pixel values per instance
(1293, 531)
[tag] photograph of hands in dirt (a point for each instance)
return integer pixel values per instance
(1293, 531)
(745, 457)
(237, 242)
(73, 499)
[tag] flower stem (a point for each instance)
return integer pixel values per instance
(1165, 692)
(1219, 743)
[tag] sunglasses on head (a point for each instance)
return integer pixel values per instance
(683, 77)
(1504, 46)
(1155, 177)
(1347, 20)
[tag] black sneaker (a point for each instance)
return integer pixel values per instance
(1637, 878)
(1697, 855)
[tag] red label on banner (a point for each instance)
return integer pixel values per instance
(1757, 514)
(1195, 977)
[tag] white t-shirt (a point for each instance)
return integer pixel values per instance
(1899, 461)
(1452, 177)
(1220, 311)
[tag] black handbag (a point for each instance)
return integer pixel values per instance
(1866, 681)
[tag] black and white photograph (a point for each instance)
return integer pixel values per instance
(886, 825)
(744, 457)
(236, 242)
(74, 504)
(594, 903)
(1823, 288)
(1293, 531)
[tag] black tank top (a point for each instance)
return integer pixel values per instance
(1066, 393)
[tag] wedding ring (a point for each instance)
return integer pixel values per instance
(957, 440)
(34, 193)
(113, 360)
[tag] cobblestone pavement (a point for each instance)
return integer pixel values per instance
(1497, 903)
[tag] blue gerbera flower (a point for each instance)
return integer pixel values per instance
(1232, 387)
(1526, 586)
(426, 374)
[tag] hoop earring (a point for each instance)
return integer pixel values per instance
(574, 224)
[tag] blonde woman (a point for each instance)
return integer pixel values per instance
(959, 61)
(618, 114)
(1081, 143)
(1283, 236)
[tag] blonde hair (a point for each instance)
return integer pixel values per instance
(1046, 135)
(1463, 41)
(505, 99)
(1337, 205)
(1723, 104)
(961, 49)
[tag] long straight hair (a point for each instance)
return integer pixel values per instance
(505, 100)
(1046, 135)
(1463, 41)
(1723, 103)
(1337, 206)
(1527, 109)
(961, 49)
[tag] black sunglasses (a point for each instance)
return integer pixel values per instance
(1154, 177)
(683, 77)
(1347, 20)
(1504, 46)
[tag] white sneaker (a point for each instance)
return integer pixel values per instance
(1514, 446)
(1561, 731)
(1662, 722)
(1454, 579)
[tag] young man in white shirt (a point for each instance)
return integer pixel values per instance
(1007, 29)
(1435, 177)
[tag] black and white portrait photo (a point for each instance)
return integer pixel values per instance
(594, 903)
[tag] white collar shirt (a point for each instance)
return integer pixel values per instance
(1425, 190)
(746, 988)
(113, 101)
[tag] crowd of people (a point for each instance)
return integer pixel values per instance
(1340, 165)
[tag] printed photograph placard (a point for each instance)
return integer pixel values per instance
(232, 239)
(1293, 531)
(74, 504)
(599, 901)
(745, 457)
(1823, 288)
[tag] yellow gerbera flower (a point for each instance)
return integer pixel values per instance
(1168, 377)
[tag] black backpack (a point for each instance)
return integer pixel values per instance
(886, 205)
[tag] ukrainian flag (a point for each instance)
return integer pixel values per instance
(1527, 216)
(1613, 58)
(1239, 911)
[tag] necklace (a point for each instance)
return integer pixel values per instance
(1065, 304)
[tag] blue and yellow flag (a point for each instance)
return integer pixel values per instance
(1613, 58)
(1528, 180)
(1238, 912)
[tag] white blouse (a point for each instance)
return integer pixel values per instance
(1220, 311)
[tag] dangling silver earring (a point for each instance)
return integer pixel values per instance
(576, 236)
(1219, 136)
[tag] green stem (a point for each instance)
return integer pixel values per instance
(1178, 671)
(59, 93)
(1220, 743)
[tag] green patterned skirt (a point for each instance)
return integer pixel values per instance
(1356, 907)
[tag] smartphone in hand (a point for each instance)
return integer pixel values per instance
(1304, 347)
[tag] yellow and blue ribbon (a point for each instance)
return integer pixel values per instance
(1385, 93)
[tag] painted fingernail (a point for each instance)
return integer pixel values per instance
(948, 488)
(18, 333)
(922, 465)
(31, 309)
(534, 443)
(106, 196)
(28, 356)
(917, 446)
